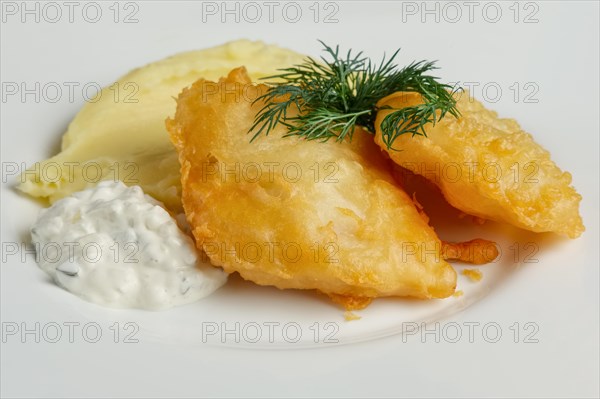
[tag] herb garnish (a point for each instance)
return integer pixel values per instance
(334, 96)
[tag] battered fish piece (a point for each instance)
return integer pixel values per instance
(488, 167)
(299, 214)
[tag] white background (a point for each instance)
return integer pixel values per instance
(557, 51)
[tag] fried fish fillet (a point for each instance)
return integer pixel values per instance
(298, 214)
(488, 167)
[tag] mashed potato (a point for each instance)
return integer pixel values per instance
(126, 140)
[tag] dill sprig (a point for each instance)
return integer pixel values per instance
(338, 93)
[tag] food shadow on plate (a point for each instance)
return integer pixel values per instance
(516, 247)
(453, 225)
(254, 295)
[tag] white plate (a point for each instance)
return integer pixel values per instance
(530, 327)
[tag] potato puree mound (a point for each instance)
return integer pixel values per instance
(127, 140)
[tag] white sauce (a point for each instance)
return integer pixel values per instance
(115, 246)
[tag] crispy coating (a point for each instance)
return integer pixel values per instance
(299, 214)
(477, 251)
(473, 274)
(488, 167)
(351, 302)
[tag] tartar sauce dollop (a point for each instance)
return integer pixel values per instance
(115, 246)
